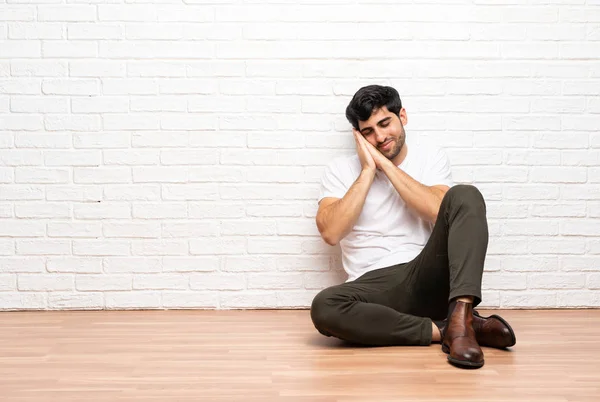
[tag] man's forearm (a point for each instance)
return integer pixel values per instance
(336, 221)
(423, 199)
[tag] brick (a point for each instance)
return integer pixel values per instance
(8, 282)
(580, 263)
(162, 210)
(557, 246)
(43, 211)
(505, 281)
(158, 104)
(501, 174)
(273, 210)
(218, 246)
(100, 175)
(72, 50)
(129, 86)
(248, 263)
(556, 281)
(136, 192)
(100, 104)
(38, 68)
(190, 264)
(529, 264)
(217, 281)
(575, 227)
(159, 247)
(558, 210)
(80, 265)
(100, 31)
(104, 282)
(192, 300)
(74, 229)
(20, 49)
(129, 229)
(70, 87)
(189, 157)
(101, 140)
(160, 174)
(75, 301)
(45, 282)
(23, 264)
(275, 281)
(133, 300)
(247, 299)
(211, 210)
(126, 265)
(23, 301)
(160, 281)
(248, 228)
(69, 122)
(28, 104)
(101, 247)
(530, 227)
(527, 299)
(106, 210)
(579, 298)
(533, 157)
(129, 12)
(155, 69)
(70, 13)
(190, 229)
(296, 298)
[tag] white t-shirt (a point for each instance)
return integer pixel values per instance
(387, 232)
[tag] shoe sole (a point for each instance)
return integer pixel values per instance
(460, 363)
(464, 364)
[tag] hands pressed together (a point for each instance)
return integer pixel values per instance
(370, 157)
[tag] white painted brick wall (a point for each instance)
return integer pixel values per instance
(168, 154)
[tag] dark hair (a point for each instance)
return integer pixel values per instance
(370, 98)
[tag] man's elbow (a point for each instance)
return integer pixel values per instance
(326, 235)
(329, 239)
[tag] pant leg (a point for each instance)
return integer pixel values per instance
(395, 305)
(451, 263)
(360, 312)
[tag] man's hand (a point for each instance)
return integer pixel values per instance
(365, 156)
(377, 157)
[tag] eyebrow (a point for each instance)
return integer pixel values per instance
(378, 123)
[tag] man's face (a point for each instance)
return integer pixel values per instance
(385, 131)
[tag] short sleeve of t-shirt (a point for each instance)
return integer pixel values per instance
(331, 184)
(438, 169)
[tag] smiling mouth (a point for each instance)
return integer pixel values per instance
(385, 145)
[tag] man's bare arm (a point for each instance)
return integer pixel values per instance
(336, 216)
(425, 200)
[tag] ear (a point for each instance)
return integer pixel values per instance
(403, 117)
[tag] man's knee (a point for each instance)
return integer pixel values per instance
(323, 311)
(466, 195)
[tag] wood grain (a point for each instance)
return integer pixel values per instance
(265, 355)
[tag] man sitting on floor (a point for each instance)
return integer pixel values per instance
(413, 244)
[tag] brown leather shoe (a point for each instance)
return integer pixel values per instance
(459, 338)
(493, 331)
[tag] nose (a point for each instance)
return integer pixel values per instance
(379, 136)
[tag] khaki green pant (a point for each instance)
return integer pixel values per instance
(396, 305)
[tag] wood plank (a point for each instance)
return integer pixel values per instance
(262, 355)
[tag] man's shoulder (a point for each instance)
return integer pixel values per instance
(344, 163)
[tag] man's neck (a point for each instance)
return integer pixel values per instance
(401, 156)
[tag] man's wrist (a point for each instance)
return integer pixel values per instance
(367, 173)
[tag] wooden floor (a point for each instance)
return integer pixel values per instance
(278, 355)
